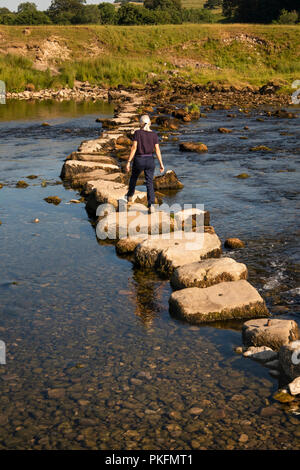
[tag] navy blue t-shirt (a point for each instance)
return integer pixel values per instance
(146, 141)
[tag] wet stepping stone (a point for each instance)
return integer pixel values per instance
(208, 272)
(223, 301)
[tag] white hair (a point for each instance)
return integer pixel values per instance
(145, 122)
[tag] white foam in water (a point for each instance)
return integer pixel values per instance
(295, 291)
(274, 281)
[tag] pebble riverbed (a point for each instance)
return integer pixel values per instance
(94, 359)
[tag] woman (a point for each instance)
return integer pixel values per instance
(145, 142)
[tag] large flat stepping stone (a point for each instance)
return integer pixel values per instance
(92, 146)
(273, 333)
(91, 157)
(133, 223)
(112, 135)
(208, 272)
(82, 179)
(224, 301)
(101, 192)
(179, 248)
(71, 168)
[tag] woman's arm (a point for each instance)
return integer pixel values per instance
(158, 154)
(132, 153)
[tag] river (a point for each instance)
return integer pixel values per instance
(94, 360)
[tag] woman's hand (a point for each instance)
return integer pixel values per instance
(162, 168)
(127, 168)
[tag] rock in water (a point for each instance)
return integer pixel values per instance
(22, 184)
(208, 272)
(272, 333)
(289, 359)
(294, 386)
(198, 147)
(224, 301)
(242, 176)
(192, 217)
(179, 248)
(53, 200)
(283, 396)
(167, 181)
(129, 244)
(224, 130)
(101, 192)
(234, 243)
(125, 224)
(72, 168)
(261, 353)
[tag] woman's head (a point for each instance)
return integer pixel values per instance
(145, 122)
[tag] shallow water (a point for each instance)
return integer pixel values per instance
(94, 359)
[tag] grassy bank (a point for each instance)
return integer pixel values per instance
(113, 55)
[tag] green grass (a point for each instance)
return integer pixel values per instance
(126, 55)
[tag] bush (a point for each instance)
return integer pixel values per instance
(287, 17)
(107, 13)
(197, 15)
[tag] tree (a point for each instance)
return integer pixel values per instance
(197, 15)
(89, 14)
(63, 11)
(257, 11)
(4, 11)
(129, 14)
(163, 4)
(107, 13)
(7, 18)
(27, 7)
(212, 4)
(34, 17)
(288, 17)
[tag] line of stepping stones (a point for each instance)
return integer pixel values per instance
(207, 287)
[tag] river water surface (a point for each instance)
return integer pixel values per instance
(94, 359)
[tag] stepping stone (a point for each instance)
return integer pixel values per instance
(224, 301)
(188, 216)
(92, 146)
(133, 223)
(294, 386)
(273, 333)
(72, 168)
(112, 135)
(101, 192)
(129, 244)
(91, 157)
(208, 272)
(179, 248)
(82, 178)
(121, 120)
(289, 359)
